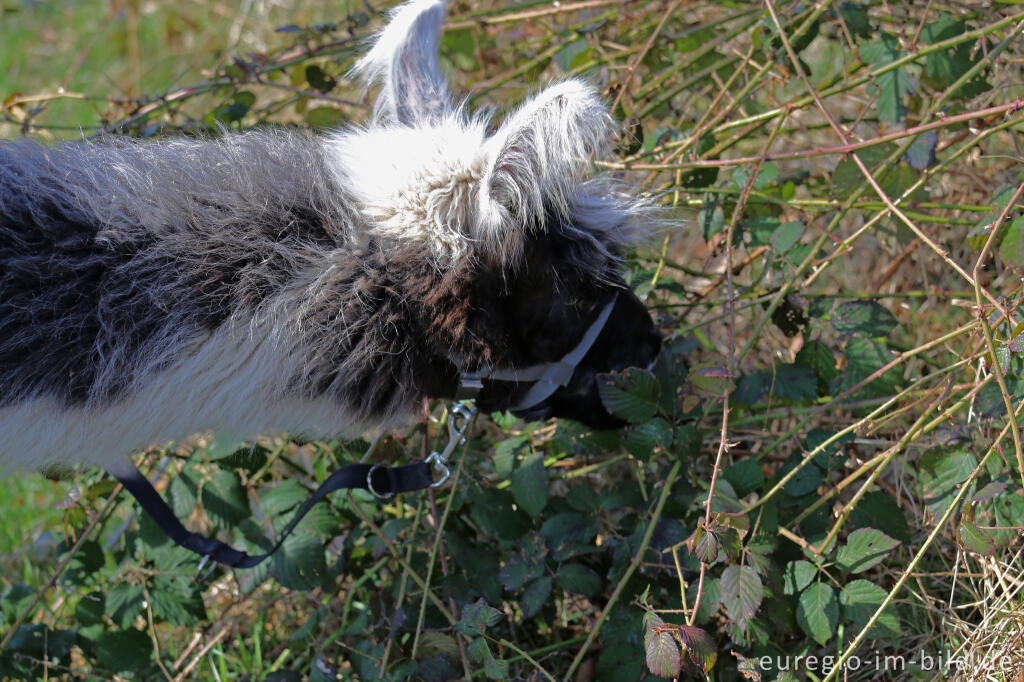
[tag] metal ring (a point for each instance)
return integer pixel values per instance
(369, 485)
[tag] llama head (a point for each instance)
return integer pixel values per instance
(515, 207)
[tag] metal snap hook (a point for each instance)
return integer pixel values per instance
(440, 465)
(459, 415)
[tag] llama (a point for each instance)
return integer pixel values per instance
(278, 281)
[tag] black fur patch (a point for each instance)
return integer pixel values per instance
(87, 307)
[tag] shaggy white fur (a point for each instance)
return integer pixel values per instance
(230, 383)
(274, 281)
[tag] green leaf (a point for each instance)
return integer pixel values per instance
(990, 403)
(921, 154)
(824, 459)
(863, 317)
(805, 481)
(282, 497)
(319, 79)
(1011, 249)
(225, 500)
(794, 382)
(662, 652)
(942, 473)
(460, 47)
(476, 618)
(494, 669)
(518, 569)
(891, 87)
(817, 612)
(535, 594)
(798, 575)
(325, 117)
(848, 176)
(998, 202)
(767, 175)
(863, 358)
(505, 452)
(761, 229)
(687, 439)
(745, 475)
(990, 490)
(711, 219)
(89, 610)
(974, 539)
(494, 514)
(300, 563)
(568, 534)
(124, 651)
(864, 548)
(752, 388)
(701, 176)
(860, 599)
(1009, 513)
(706, 548)
(947, 66)
(234, 110)
(699, 646)
(84, 565)
(710, 601)
(579, 579)
(786, 235)
(124, 603)
(176, 600)
(856, 18)
(728, 540)
(742, 592)
(645, 437)
(434, 643)
(183, 494)
(530, 486)
(572, 53)
(819, 357)
(789, 316)
(631, 395)
(878, 510)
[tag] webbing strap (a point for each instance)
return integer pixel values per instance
(547, 377)
(382, 481)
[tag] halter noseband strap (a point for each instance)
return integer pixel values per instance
(547, 377)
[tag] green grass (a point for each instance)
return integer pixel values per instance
(100, 52)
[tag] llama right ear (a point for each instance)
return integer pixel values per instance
(403, 60)
(536, 159)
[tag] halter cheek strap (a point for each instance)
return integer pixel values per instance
(547, 377)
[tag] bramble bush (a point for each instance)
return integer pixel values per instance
(822, 463)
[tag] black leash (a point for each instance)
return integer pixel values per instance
(382, 481)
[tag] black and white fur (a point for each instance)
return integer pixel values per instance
(276, 281)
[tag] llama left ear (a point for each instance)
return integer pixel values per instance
(404, 62)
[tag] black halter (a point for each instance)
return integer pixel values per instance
(380, 480)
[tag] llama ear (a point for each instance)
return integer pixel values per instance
(538, 156)
(403, 60)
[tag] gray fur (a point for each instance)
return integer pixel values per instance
(202, 230)
(331, 281)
